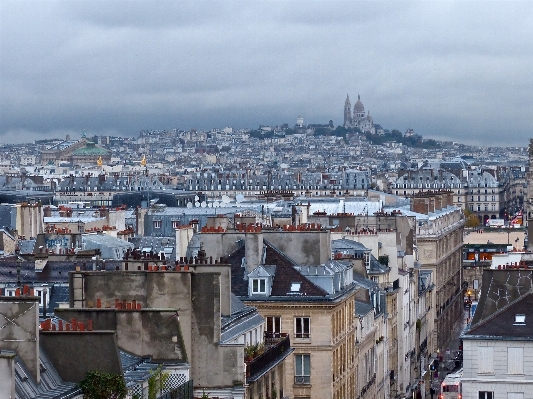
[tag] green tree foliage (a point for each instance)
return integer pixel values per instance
(98, 385)
(415, 140)
(157, 382)
(471, 220)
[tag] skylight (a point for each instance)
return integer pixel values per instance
(519, 320)
(295, 287)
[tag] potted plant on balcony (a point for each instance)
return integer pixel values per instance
(252, 351)
(248, 353)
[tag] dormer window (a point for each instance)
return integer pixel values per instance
(258, 286)
(295, 287)
(519, 320)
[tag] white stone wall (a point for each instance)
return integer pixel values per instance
(500, 382)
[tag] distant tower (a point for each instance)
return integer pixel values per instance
(347, 112)
(300, 121)
(358, 109)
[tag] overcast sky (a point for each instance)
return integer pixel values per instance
(449, 70)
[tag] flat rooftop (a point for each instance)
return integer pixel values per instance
(496, 237)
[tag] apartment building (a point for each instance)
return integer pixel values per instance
(479, 190)
(290, 278)
(439, 240)
(497, 345)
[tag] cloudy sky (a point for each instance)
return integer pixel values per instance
(449, 70)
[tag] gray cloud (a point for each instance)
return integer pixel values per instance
(454, 70)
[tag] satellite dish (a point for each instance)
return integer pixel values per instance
(189, 205)
(203, 204)
(239, 198)
(210, 205)
(225, 199)
(196, 198)
(197, 204)
(216, 204)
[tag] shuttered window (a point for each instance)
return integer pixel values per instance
(485, 360)
(515, 360)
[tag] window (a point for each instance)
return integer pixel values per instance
(157, 224)
(273, 324)
(295, 287)
(515, 360)
(450, 388)
(485, 360)
(175, 224)
(301, 327)
(258, 286)
(302, 367)
(43, 298)
(485, 395)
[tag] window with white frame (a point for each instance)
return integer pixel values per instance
(302, 327)
(485, 395)
(258, 286)
(302, 369)
(157, 224)
(175, 224)
(43, 294)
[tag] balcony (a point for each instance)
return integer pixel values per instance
(277, 348)
(302, 379)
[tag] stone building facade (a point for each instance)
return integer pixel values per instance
(439, 241)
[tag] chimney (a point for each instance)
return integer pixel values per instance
(431, 203)
(438, 201)
(253, 250)
(449, 199)
(420, 205)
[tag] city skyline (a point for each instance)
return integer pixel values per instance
(449, 70)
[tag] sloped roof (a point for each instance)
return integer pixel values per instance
(285, 275)
(91, 149)
(500, 289)
(363, 308)
(502, 325)
(51, 386)
(53, 271)
(350, 245)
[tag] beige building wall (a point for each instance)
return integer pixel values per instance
(439, 248)
(29, 220)
(331, 346)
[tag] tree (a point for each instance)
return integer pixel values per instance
(98, 385)
(471, 220)
(157, 382)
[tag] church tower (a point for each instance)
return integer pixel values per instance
(347, 112)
